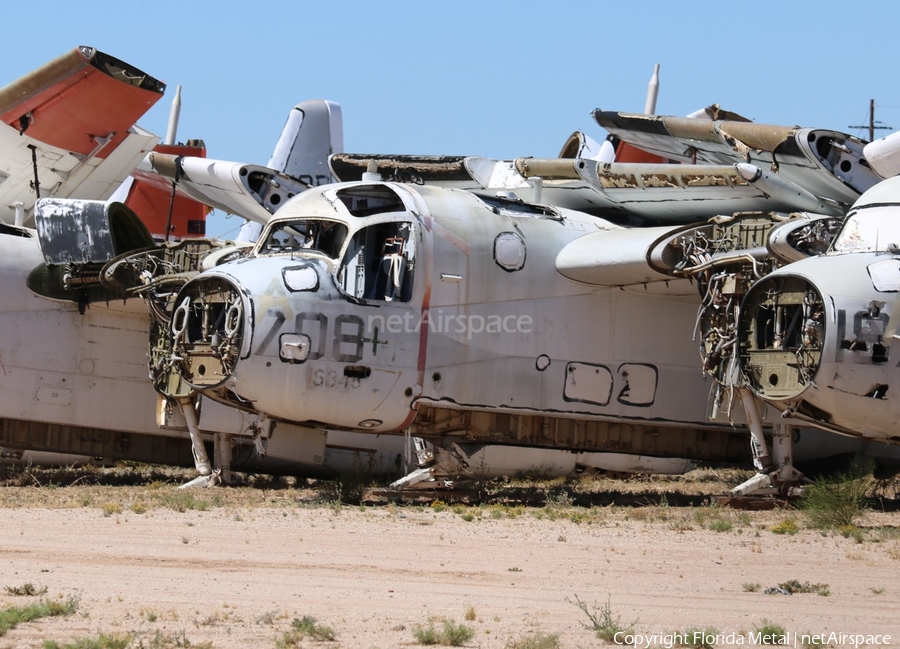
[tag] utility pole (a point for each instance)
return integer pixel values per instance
(872, 125)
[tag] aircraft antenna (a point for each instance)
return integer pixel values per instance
(652, 92)
(873, 124)
(174, 114)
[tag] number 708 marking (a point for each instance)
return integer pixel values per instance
(348, 330)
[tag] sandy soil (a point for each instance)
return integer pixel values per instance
(237, 576)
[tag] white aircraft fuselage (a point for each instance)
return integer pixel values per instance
(363, 304)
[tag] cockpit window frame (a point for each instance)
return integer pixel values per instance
(877, 239)
(259, 249)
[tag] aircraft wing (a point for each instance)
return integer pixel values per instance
(827, 163)
(636, 192)
(70, 125)
(249, 191)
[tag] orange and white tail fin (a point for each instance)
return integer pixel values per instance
(169, 216)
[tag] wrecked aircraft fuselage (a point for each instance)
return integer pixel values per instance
(816, 335)
(383, 307)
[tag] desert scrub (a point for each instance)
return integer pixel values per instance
(602, 620)
(304, 628)
(794, 587)
(109, 509)
(450, 634)
(182, 500)
(720, 525)
(852, 532)
(102, 641)
(26, 590)
(537, 641)
(787, 526)
(835, 501)
(768, 633)
(12, 616)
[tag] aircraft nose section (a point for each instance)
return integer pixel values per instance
(207, 331)
(781, 332)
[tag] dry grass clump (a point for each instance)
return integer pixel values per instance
(450, 633)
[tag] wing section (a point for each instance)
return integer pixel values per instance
(828, 163)
(622, 192)
(249, 191)
(68, 129)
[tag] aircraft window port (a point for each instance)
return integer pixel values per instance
(366, 200)
(517, 208)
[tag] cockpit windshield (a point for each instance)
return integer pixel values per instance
(869, 228)
(305, 235)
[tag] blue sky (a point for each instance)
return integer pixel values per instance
(498, 79)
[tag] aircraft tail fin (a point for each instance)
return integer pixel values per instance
(166, 214)
(314, 130)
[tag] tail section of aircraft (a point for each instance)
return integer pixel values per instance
(313, 131)
(167, 214)
(67, 129)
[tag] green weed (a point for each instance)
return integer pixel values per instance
(769, 633)
(787, 526)
(836, 501)
(304, 628)
(102, 641)
(795, 587)
(537, 641)
(603, 623)
(450, 634)
(12, 616)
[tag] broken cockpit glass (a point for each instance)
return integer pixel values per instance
(869, 228)
(304, 235)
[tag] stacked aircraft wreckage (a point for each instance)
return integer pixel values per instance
(496, 316)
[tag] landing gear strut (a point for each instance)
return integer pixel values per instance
(776, 472)
(222, 445)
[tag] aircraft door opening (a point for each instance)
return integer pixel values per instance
(379, 263)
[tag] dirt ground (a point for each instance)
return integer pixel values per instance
(235, 573)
